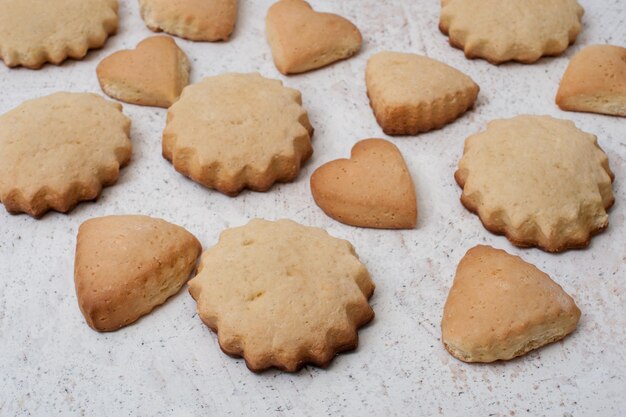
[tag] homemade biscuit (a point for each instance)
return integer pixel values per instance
(412, 93)
(595, 81)
(302, 39)
(371, 189)
(511, 30)
(538, 180)
(282, 295)
(153, 74)
(236, 131)
(197, 20)
(125, 266)
(500, 307)
(33, 32)
(61, 149)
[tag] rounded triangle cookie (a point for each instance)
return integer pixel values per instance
(59, 150)
(511, 30)
(538, 180)
(236, 131)
(280, 294)
(33, 32)
(411, 93)
(500, 307)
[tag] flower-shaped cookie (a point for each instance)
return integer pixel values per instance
(33, 32)
(282, 294)
(61, 149)
(234, 131)
(538, 180)
(511, 30)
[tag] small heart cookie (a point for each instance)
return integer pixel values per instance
(153, 74)
(303, 39)
(371, 189)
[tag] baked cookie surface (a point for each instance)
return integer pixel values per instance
(58, 150)
(511, 30)
(236, 131)
(411, 93)
(500, 307)
(595, 81)
(282, 295)
(302, 39)
(127, 265)
(33, 32)
(540, 181)
(196, 20)
(153, 74)
(373, 188)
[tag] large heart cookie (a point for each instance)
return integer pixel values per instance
(595, 81)
(500, 307)
(153, 74)
(371, 189)
(127, 265)
(303, 39)
(197, 20)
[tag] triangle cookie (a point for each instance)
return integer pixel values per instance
(153, 74)
(125, 266)
(412, 93)
(500, 307)
(371, 189)
(303, 39)
(595, 81)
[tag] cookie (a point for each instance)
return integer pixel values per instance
(500, 307)
(282, 295)
(511, 30)
(196, 20)
(371, 189)
(61, 149)
(412, 93)
(236, 131)
(595, 81)
(302, 39)
(33, 32)
(540, 181)
(125, 266)
(153, 74)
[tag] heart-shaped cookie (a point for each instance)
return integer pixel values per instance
(153, 74)
(371, 189)
(303, 39)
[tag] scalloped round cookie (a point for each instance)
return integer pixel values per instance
(236, 131)
(538, 180)
(33, 32)
(511, 30)
(280, 294)
(58, 150)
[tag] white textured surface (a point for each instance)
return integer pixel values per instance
(169, 363)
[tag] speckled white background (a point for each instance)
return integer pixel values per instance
(169, 363)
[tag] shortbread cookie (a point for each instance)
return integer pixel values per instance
(33, 32)
(412, 93)
(500, 307)
(282, 295)
(197, 20)
(125, 266)
(595, 81)
(153, 74)
(538, 180)
(303, 39)
(371, 189)
(511, 30)
(61, 149)
(234, 131)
